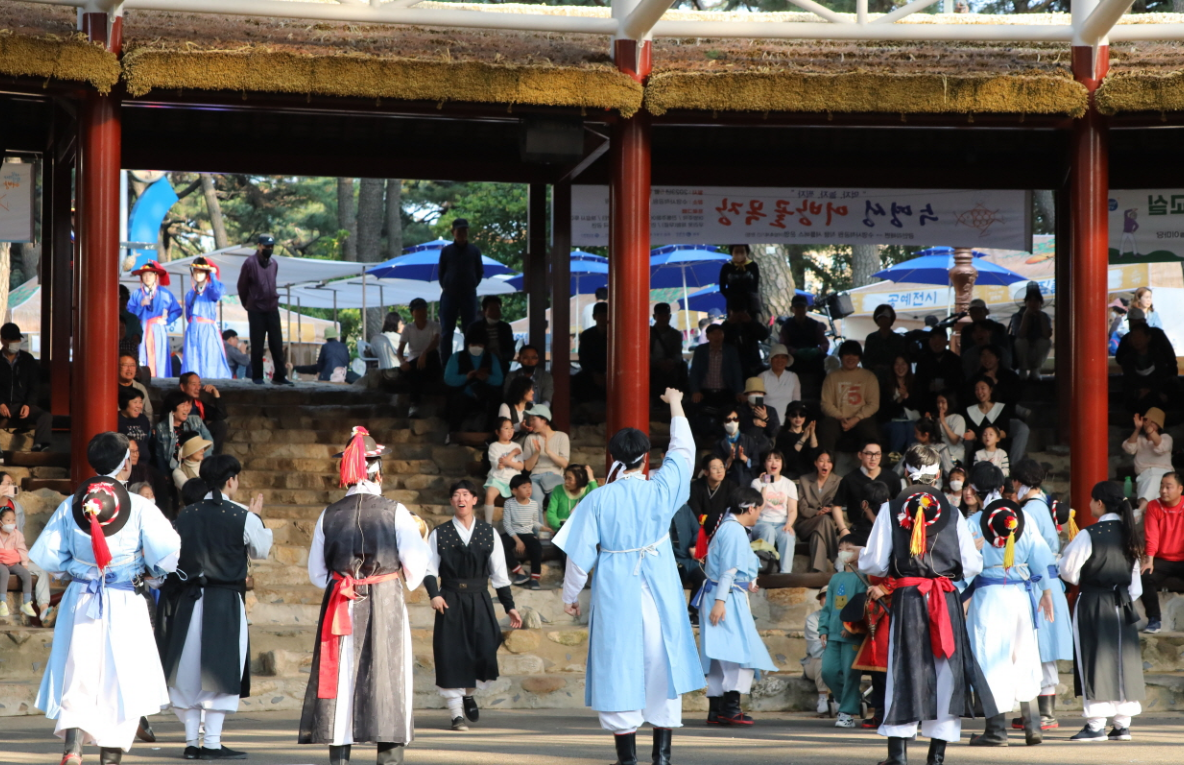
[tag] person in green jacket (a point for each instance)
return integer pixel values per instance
(842, 646)
(578, 480)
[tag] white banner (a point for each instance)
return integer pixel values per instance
(1146, 226)
(722, 215)
(16, 202)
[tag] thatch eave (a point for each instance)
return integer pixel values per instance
(51, 57)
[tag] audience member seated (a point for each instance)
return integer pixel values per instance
(419, 359)
(546, 453)
(782, 387)
(586, 319)
(41, 595)
(756, 418)
(207, 404)
(938, 368)
(177, 417)
(882, 347)
(955, 482)
(711, 494)
(499, 335)
(871, 468)
(385, 345)
(1031, 331)
(850, 401)
(779, 511)
(901, 404)
(332, 361)
(132, 422)
(474, 380)
(544, 385)
(740, 452)
(516, 409)
(971, 343)
(193, 449)
(578, 482)
(746, 334)
(989, 437)
(807, 343)
(520, 527)
(1152, 450)
(1149, 368)
(236, 355)
(986, 411)
(20, 389)
(740, 279)
(715, 382)
(588, 385)
(951, 426)
(798, 441)
(144, 472)
(505, 462)
(870, 499)
(129, 365)
(1007, 390)
(14, 561)
(1143, 300)
(684, 533)
(927, 433)
(1163, 555)
(144, 489)
(133, 329)
(821, 522)
(668, 369)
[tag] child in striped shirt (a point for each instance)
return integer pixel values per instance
(520, 527)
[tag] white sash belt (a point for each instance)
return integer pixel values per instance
(650, 549)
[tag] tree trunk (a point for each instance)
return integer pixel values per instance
(370, 214)
(394, 217)
(1047, 207)
(777, 283)
(865, 261)
(5, 270)
(347, 219)
(1177, 6)
(215, 210)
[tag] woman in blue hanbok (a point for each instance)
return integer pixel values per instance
(731, 649)
(205, 353)
(1002, 619)
(156, 308)
(104, 671)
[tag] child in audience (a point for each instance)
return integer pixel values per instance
(990, 437)
(841, 645)
(14, 561)
(520, 527)
(504, 463)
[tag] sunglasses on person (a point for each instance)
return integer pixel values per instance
(732, 419)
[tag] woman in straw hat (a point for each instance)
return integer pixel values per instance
(204, 351)
(193, 450)
(156, 308)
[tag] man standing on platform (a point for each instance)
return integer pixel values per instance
(360, 690)
(460, 271)
(641, 652)
(259, 295)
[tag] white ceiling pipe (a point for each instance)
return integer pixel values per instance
(821, 10)
(900, 13)
(1132, 32)
(860, 11)
(642, 18)
(893, 32)
(1095, 27)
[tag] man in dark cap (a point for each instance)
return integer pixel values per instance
(460, 271)
(641, 651)
(104, 673)
(259, 295)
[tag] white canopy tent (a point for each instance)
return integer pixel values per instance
(230, 261)
(369, 292)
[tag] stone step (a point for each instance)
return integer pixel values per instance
(37, 459)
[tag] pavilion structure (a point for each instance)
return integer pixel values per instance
(1078, 103)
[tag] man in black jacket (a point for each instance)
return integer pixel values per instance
(20, 385)
(460, 270)
(498, 333)
(207, 404)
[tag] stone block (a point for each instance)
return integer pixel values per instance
(543, 684)
(570, 638)
(521, 641)
(787, 596)
(522, 664)
(290, 555)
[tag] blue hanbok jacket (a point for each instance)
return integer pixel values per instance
(204, 352)
(735, 638)
(1056, 639)
(156, 317)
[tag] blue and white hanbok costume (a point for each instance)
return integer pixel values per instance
(204, 353)
(104, 671)
(1056, 639)
(732, 651)
(641, 650)
(161, 311)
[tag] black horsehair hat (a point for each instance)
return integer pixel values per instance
(1002, 523)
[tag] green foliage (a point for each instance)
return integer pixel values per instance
(831, 265)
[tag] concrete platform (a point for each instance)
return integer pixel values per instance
(541, 737)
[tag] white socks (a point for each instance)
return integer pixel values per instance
(489, 513)
(456, 708)
(213, 737)
(191, 719)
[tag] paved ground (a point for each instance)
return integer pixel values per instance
(553, 737)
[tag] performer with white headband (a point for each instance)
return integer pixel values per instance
(920, 539)
(104, 673)
(363, 544)
(641, 651)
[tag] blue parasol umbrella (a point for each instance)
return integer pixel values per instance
(686, 266)
(945, 251)
(935, 269)
(586, 275)
(581, 255)
(422, 265)
(710, 298)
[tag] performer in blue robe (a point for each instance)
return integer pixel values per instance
(156, 308)
(729, 645)
(204, 353)
(1056, 638)
(1002, 616)
(641, 651)
(104, 672)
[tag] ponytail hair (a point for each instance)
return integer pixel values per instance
(1109, 493)
(215, 471)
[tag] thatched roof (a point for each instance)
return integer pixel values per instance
(41, 41)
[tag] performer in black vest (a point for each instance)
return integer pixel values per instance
(203, 616)
(920, 540)
(1104, 560)
(466, 555)
(360, 690)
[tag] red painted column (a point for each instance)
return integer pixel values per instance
(96, 363)
(629, 252)
(1088, 194)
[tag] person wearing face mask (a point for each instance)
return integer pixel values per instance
(740, 452)
(499, 335)
(541, 381)
(758, 419)
(955, 482)
(474, 378)
(842, 645)
(156, 308)
(204, 352)
(261, 298)
(20, 388)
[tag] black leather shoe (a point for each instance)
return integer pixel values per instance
(458, 723)
(713, 710)
(471, 710)
(338, 755)
(390, 754)
(221, 753)
(110, 756)
(191, 753)
(994, 735)
(626, 744)
(661, 754)
(1033, 735)
(145, 732)
(898, 752)
(937, 752)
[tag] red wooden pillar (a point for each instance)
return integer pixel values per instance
(96, 362)
(629, 249)
(1088, 193)
(561, 305)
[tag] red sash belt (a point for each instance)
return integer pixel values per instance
(941, 632)
(336, 624)
(201, 320)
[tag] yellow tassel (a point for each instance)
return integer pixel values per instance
(1009, 551)
(917, 543)
(1072, 524)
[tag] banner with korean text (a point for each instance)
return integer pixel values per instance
(16, 202)
(1146, 226)
(722, 215)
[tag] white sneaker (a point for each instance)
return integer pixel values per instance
(845, 721)
(823, 705)
(27, 610)
(3, 608)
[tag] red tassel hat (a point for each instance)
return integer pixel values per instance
(353, 458)
(101, 507)
(162, 276)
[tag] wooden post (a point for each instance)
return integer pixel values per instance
(535, 267)
(561, 305)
